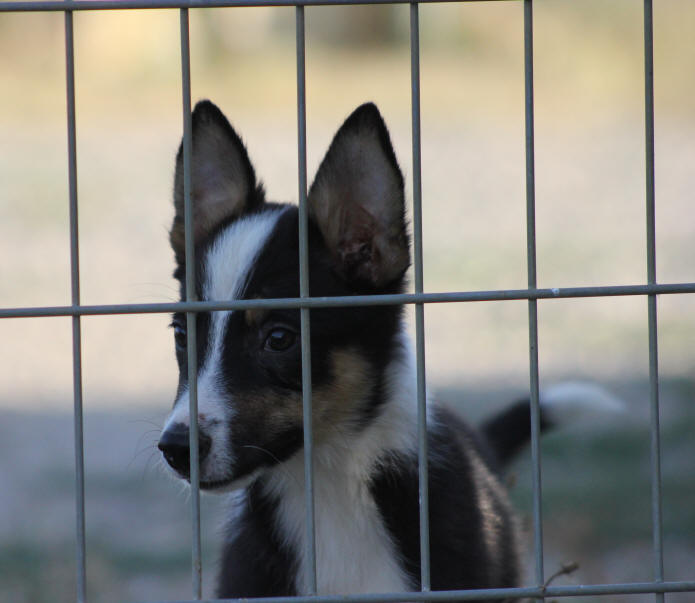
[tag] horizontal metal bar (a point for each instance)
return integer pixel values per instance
(59, 5)
(632, 588)
(353, 300)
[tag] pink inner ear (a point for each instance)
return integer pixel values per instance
(356, 242)
(364, 247)
(358, 247)
(356, 225)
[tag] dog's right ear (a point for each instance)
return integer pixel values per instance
(223, 181)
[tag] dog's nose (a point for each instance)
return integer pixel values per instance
(174, 445)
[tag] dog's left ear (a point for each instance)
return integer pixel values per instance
(357, 200)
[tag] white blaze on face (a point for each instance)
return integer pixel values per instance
(228, 263)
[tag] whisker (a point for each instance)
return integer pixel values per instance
(153, 422)
(270, 454)
(152, 448)
(276, 459)
(148, 466)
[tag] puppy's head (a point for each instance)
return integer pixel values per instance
(249, 362)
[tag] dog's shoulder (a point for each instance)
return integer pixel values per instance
(472, 528)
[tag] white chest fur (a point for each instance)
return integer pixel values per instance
(354, 552)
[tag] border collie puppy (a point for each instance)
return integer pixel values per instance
(364, 400)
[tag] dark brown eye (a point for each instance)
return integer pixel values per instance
(280, 339)
(179, 336)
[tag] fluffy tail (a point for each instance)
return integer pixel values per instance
(565, 403)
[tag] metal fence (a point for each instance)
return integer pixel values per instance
(532, 294)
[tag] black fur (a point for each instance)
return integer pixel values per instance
(509, 431)
(255, 562)
(460, 557)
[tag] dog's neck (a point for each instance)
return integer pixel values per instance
(352, 544)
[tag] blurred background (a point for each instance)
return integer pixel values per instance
(590, 208)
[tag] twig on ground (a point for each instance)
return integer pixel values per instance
(566, 569)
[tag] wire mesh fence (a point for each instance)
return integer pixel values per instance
(650, 289)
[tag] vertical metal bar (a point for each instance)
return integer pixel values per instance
(76, 326)
(419, 308)
(192, 346)
(657, 529)
(532, 304)
(310, 577)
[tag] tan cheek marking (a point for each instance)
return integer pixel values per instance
(334, 405)
(338, 402)
(275, 412)
(176, 236)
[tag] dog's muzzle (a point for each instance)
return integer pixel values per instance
(175, 446)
